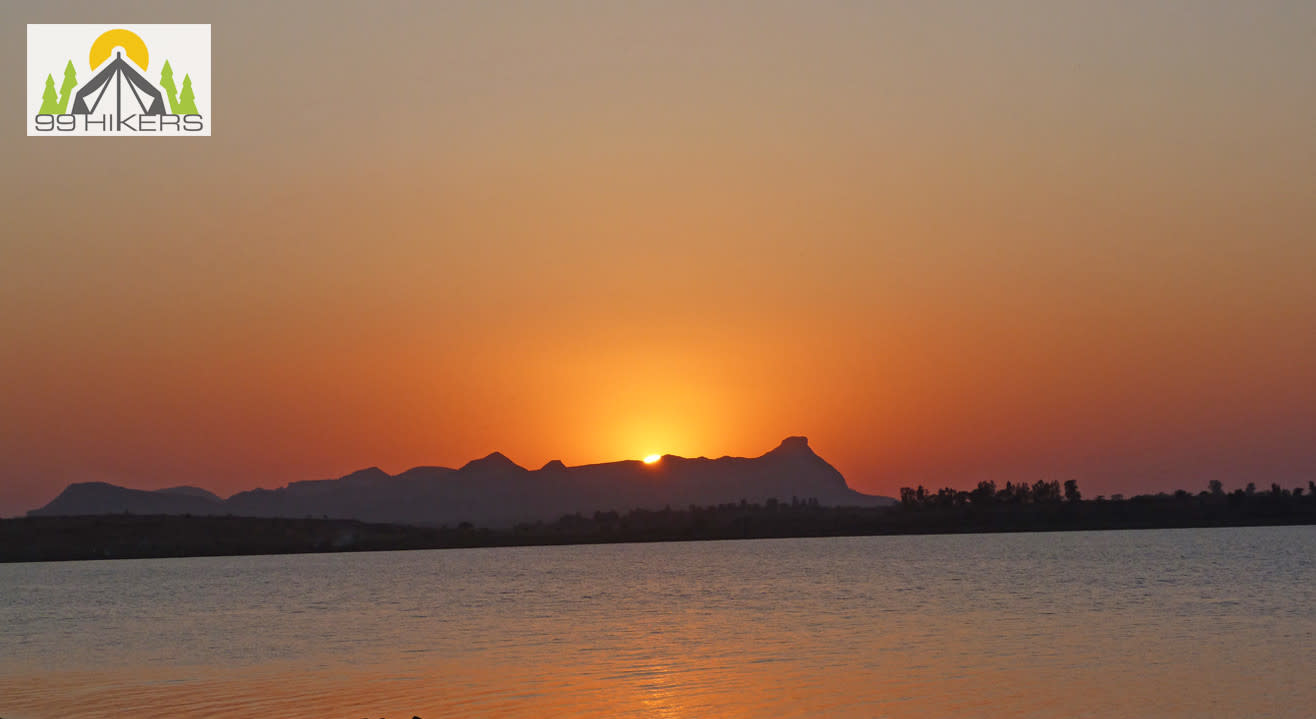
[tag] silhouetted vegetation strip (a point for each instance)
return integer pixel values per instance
(922, 512)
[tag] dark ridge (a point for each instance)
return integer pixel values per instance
(493, 461)
(191, 492)
(496, 492)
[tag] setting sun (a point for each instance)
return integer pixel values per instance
(652, 458)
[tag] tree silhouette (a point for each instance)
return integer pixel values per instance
(1044, 491)
(187, 101)
(1217, 488)
(984, 494)
(66, 90)
(171, 91)
(49, 100)
(1071, 491)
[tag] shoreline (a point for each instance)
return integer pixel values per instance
(95, 537)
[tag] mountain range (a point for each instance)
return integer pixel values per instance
(495, 492)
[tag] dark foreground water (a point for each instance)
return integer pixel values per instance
(1173, 623)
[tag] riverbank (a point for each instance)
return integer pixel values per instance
(132, 536)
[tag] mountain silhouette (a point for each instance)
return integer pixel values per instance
(496, 492)
(496, 463)
(104, 498)
(191, 492)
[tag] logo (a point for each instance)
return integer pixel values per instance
(135, 80)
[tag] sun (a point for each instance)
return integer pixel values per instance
(652, 458)
(132, 45)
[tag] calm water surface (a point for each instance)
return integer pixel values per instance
(1172, 623)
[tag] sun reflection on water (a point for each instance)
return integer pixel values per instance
(908, 627)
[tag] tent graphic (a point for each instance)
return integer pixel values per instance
(120, 89)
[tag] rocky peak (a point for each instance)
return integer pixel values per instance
(368, 474)
(495, 461)
(794, 446)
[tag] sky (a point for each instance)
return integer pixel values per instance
(947, 241)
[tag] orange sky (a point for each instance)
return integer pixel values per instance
(947, 243)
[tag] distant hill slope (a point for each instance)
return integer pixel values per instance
(103, 498)
(495, 492)
(191, 492)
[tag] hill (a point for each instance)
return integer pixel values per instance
(496, 492)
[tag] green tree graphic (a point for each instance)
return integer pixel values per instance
(167, 82)
(187, 101)
(66, 90)
(49, 100)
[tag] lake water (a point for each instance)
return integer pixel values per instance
(1168, 623)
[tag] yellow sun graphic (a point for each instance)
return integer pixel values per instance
(132, 46)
